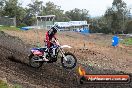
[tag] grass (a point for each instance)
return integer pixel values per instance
(6, 85)
(3, 84)
(17, 86)
(8, 28)
(127, 41)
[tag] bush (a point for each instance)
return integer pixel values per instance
(22, 25)
(105, 30)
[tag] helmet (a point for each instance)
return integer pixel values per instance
(53, 29)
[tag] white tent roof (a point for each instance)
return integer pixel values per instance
(78, 23)
(71, 23)
(63, 24)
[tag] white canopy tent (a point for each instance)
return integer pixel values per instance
(72, 24)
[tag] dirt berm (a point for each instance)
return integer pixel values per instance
(49, 76)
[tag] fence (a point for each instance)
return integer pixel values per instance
(6, 21)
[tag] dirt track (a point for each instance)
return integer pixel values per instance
(21, 72)
(50, 75)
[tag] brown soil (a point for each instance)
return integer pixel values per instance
(98, 58)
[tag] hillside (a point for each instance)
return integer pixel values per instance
(98, 58)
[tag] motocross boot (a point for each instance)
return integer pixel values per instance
(45, 55)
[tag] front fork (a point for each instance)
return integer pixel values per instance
(63, 55)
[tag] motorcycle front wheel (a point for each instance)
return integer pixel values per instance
(34, 64)
(71, 61)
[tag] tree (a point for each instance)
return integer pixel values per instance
(117, 16)
(129, 27)
(1, 7)
(20, 15)
(29, 18)
(51, 8)
(13, 9)
(36, 7)
(10, 8)
(77, 14)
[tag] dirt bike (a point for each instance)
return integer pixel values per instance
(68, 60)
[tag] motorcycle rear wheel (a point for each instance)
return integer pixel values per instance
(34, 64)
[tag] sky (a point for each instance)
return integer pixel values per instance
(95, 7)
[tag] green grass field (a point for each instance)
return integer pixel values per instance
(127, 41)
(8, 28)
(3, 84)
(6, 85)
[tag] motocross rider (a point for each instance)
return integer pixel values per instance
(50, 34)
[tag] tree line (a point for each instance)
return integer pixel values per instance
(27, 16)
(117, 19)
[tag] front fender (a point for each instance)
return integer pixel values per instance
(66, 46)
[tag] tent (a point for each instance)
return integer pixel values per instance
(27, 28)
(84, 31)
